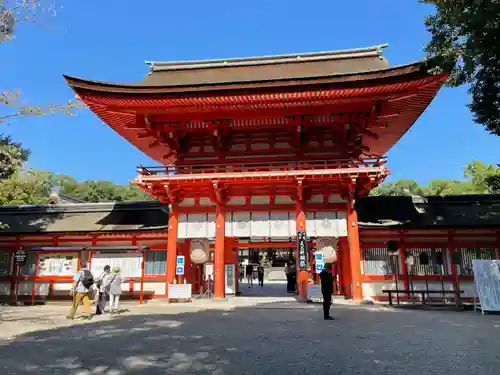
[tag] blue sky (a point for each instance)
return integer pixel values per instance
(108, 40)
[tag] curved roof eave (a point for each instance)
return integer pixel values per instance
(140, 88)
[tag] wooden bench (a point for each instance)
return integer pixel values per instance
(423, 294)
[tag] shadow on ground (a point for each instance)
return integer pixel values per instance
(272, 338)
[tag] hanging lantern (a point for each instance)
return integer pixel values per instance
(327, 246)
(392, 247)
(199, 251)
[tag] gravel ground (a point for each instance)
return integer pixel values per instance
(249, 336)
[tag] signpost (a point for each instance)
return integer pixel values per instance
(302, 251)
(20, 258)
(319, 259)
(179, 265)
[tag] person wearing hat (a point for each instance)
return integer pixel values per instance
(113, 284)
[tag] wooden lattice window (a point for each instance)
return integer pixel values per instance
(4, 263)
(377, 261)
(156, 263)
(467, 254)
(437, 261)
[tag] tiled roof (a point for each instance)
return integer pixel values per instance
(86, 217)
(469, 211)
(465, 211)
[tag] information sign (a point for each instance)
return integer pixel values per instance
(179, 266)
(487, 280)
(319, 259)
(302, 250)
(20, 257)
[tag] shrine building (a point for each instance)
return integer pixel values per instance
(263, 151)
(57, 236)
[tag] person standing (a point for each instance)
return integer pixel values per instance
(241, 272)
(248, 273)
(101, 291)
(80, 291)
(326, 277)
(291, 278)
(113, 284)
(260, 275)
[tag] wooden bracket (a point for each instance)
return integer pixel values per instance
(218, 194)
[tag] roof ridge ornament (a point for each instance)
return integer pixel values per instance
(374, 51)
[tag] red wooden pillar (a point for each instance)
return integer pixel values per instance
(33, 286)
(354, 249)
(404, 266)
(187, 279)
(143, 268)
(302, 275)
(219, 280)
(453, 267)
(173, 224)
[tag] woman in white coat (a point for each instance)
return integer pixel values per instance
(114, 286)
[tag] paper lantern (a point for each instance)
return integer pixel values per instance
(199, 251)
(327, 246)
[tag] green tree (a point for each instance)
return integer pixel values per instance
(493, 181)
(465, 40)
(480, 178)
(478, 173)
(402, 187)
(26, 187)
(449, 187)
(67, 184)
(34, 187)
(106, 191)
(485, 177)
(12, 157)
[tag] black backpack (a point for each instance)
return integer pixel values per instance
(87, 279)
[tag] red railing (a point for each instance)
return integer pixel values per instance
(259, 167)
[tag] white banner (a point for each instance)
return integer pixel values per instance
(314, 293)
(487, 280)
(179, 291)
(128, 263)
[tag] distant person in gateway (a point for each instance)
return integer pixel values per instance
(260, 275)
(248, 273)
(326, 277)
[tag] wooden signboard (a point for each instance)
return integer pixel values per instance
(303, 261)
(20, 257)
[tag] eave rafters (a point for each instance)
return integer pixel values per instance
(175, 121)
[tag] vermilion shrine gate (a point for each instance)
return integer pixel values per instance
(261, 148)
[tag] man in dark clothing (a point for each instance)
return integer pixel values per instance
(326, 277)
(249, 272)
(260, 275)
